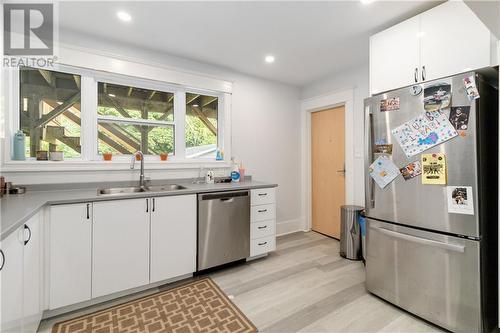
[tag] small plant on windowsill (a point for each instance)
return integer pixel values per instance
(107, 156)
(163, 156)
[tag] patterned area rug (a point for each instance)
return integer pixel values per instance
(199, 306)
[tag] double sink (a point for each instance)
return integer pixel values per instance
(139, 189)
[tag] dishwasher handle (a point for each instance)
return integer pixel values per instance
(223, 196)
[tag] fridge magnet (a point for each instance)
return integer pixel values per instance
(470, 88)
(383, 171)
(460, 200)
(416, 90)
(383, 149)
(437, 96)
(389, 104)
(424, 132)
(381, 141)
(433, 169)
(411, 170)
(459, 117)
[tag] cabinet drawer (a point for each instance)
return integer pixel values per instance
(262, 229)
(262, 245)
(263, 196)
(262, 213)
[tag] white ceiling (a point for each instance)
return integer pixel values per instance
(309, 39)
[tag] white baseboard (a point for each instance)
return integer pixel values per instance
(289, 226)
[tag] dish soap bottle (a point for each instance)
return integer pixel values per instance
(235, 172)
(18, 146)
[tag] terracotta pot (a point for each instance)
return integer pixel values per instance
(107, 156)
(163, 156)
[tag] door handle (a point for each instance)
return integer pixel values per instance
(423, 73)
(227, 199)
(3, 259)
(420, 240)
(29, 234)
(369, 182)
(416, 74)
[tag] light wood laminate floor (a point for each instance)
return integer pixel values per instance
(304, 286)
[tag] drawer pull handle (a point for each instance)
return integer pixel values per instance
(262, 210)
(29, 234)
(3, 260)
(264, 227)
(260, 244)
(262, 194)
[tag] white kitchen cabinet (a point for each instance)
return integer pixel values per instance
(120, 257)
(33, 275)
(173, 236)
(443, 41)
(454, 40)
(11, 277)
(262, 221)
(70, 254)
(394, 56)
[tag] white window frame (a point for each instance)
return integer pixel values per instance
(89, 157)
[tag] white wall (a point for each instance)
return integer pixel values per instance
(265, 130)
(356, 79)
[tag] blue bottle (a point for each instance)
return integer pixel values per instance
(18, 146)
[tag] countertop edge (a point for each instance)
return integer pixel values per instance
(235, 187)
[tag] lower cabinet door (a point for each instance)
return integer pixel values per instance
(33, 278)
(70, 254)
(11, 277)
(434, 276)
(120, 257)
(173, 237)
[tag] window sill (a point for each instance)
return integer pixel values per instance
(117, 165)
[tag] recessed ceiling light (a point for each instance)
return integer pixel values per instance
(124, 16)
(366, 2)
(111, 95)
(269, 59)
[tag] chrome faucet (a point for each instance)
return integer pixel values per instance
(132, 164)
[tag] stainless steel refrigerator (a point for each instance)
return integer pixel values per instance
(438, 265)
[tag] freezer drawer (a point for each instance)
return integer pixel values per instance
(434, 276)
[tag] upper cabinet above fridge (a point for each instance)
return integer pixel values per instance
(443, 41)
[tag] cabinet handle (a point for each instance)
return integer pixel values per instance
(262, 210)
(147, 205)
(423, 73)
(29, 233)
(416, 74)
(154, 204)
(88, 211)
(264, 227)
(262, 194)
(260, 244)
(3, 260)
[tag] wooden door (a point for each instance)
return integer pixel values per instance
(327, 166)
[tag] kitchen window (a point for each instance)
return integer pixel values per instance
(87, 113)
(50, 111)
(201, 125)
(131, 119)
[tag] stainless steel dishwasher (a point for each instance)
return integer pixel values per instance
(223, 228)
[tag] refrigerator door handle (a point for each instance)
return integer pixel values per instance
(419, 240)
(369, 188)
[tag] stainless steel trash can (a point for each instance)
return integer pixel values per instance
(350, 232)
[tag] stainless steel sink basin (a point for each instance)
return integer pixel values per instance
(152, 188)
(120, 190)
(163, 188)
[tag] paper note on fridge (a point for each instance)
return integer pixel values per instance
(383, 171)
(460, 200)
(424, 132)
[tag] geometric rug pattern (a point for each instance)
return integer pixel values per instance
(198, 306)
